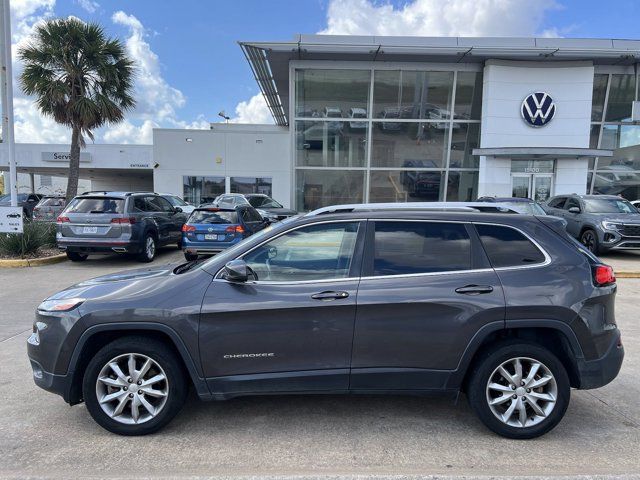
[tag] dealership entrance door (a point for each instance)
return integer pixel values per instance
(532, 179)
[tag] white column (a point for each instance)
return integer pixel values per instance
(6, 81)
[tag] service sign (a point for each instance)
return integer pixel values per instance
(10, 219)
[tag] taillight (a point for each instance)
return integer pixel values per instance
(124, 220)
(62, 219)
(235, 229)
(188, 228)
(603, 275)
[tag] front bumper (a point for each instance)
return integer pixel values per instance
(58, 384)
(599, 372)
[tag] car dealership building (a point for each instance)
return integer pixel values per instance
(394, 119)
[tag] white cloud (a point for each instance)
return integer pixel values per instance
(433, 18)
(89, 5)
(254, 110)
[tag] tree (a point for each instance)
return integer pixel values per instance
(80, 78)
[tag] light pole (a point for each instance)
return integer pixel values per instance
(223, 115)
(7, 98)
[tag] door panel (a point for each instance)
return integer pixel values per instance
(258, 328)
(428, 289)
(290, 329)
(542, 186)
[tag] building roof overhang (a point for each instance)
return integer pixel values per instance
(269, 61)
(542, 152)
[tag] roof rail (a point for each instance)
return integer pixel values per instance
(430, 206)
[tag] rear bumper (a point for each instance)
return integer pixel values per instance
(206, 247)
(599, 372)
(85, 246)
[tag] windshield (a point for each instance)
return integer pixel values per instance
(609, 205)
(525, 208)
(52, 202)
(264, 202)
(176, 201)
(209, 217)
(96, 205)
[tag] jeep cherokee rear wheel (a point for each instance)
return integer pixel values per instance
(519, 390)
(134, 386)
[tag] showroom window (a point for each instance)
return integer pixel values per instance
(250, 185)
(197, 190)
(385, 135)
(612, 129)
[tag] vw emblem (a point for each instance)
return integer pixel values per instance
(538, 109)
(210, 229)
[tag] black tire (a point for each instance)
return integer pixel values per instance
(189, 257)
(178, 385)
(146, 254)
(484, 369)
(77, 257)
(589, 238)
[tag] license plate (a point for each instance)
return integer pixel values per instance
(213, 237)
(90, 230)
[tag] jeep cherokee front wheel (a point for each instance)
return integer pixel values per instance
(519, 390)
(134, 386)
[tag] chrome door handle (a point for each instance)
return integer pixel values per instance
(329, 295)
(474, 289)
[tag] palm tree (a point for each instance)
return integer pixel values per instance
(80, 78)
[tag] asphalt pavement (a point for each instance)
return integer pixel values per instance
(300, 436)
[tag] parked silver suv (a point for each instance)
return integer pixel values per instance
(120, 222)
(600, 222)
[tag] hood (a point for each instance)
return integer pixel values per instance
(279, 211)
(125, 283)
(632, 218)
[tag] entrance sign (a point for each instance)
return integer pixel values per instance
(11, 220)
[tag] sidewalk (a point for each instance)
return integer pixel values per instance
(626, 264)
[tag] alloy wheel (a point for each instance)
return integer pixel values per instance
(150, 247)
(132, 388)
(589, 240)
(522, 392)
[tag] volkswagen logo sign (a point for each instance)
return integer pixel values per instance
(538, 109)
(210, 229)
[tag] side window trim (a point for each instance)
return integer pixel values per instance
(356, 262)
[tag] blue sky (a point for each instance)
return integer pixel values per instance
(192, 66)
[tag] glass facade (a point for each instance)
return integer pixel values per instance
(612, 129)
(385, 135)
(197, 190)
(250, 185)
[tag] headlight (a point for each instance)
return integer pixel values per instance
(61, 305)
(611, 225)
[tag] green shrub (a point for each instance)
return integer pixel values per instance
(34, 236)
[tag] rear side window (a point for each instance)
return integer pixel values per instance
(557, 202)
(96, 205)
(210, 217)
(507, 247)
(420, 247)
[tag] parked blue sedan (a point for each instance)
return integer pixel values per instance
(210, 230)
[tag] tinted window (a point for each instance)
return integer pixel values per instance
(572, 202)
(315, 252)
(507, 247)
(139, 204)
(557, 202)
(264, 202)
(250, 215)
(420, 247)
(175, 201)
(207, 216)
(96, 205)
(158, 204)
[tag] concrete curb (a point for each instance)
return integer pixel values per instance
(33, 262)
(627, 274)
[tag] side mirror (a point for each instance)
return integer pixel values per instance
(236, 271)
(178, 210)
(574, 210)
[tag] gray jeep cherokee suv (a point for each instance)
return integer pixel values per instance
(506, 308)
(600, 222)
(118, 222)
